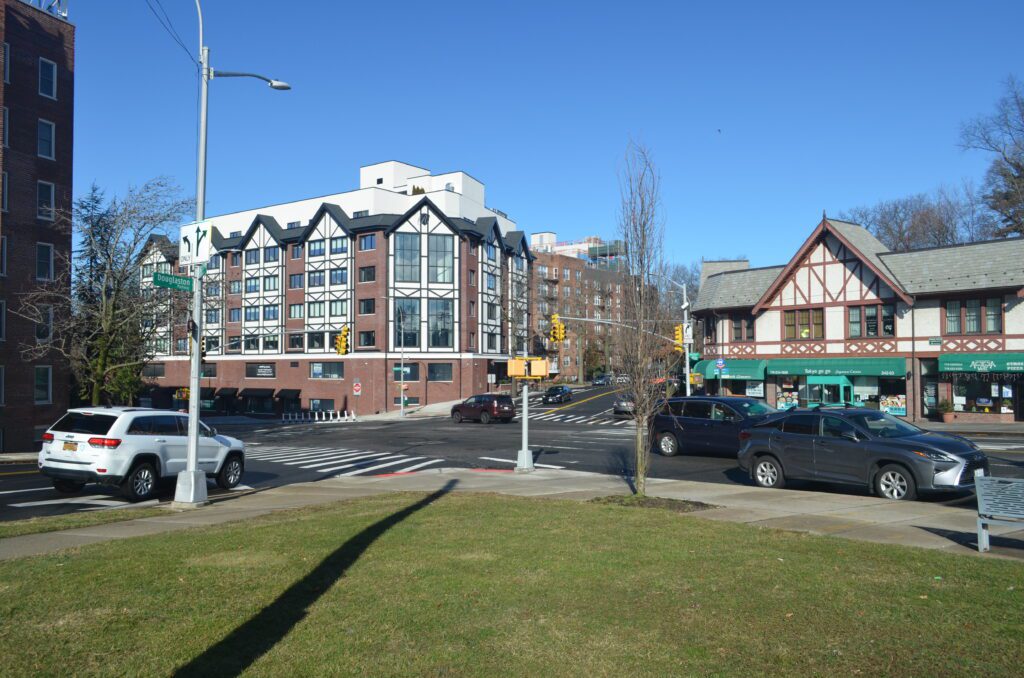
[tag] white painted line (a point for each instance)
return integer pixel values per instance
(561, 447)
(337, 454)
(291, 453)
(383, 456)
(92, 500)
(34, 489)
(378, 466)
(620, 423)
(420, 465)
(513, 461)
(330, 462)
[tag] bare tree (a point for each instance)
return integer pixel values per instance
(643, 347)
(1002, 134)
(95, 313)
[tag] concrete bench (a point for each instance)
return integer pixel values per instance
(1000, 502)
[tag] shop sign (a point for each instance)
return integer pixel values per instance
(260, 370)
(755, 389)
(982, 362)
(894, 404)
(935, 341)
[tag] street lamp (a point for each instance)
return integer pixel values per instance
(191, 487)
(687, 330)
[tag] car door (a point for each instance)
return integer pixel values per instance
(724, 429)
(696, 424)
(796, 444)
(209, 447)
(839, 453)
(470, 409)
(172, 441)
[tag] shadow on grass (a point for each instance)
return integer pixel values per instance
(970, 539)
(248, 642)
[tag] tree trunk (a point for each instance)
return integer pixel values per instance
(640, 466)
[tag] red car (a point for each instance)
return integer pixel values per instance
(485, 408)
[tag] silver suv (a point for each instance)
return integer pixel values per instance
(134, 448)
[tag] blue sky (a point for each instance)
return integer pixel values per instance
(759, 115)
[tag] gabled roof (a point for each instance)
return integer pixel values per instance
(336, 213)
(268, 222)
(161, 243)
(735, 289)
(429, 204)
(516, 243)
(955, 268)
(856, 238)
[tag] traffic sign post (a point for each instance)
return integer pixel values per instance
(172, 282)
(357, 388)
(720, 368)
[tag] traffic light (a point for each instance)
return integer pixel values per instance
(679, 339)
(561, 331)
(341, 341)
(202, 348)
(555, 325)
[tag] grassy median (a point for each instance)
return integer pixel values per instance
(69, 521)
(479, 585)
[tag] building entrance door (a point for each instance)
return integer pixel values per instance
(827, 391)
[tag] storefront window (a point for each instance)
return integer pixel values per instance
(983, 393)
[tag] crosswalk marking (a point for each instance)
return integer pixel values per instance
(380, 466)
(380, 457)
(339, 454)
(513, 461)
(345, 458)
(331, 460)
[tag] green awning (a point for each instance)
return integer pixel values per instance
(734, 369)
(981, 362)
(839, 367)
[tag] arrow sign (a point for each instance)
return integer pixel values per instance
(194, 243)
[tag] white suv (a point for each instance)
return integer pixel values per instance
(132, 447)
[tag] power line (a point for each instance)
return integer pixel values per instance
(169, 28)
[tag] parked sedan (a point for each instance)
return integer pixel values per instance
(557, 394)
(706, 424)
(623, 404)
(860, 447)
(601, 380)
(485, 408)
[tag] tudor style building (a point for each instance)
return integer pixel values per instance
(846, 320)
(415, 266)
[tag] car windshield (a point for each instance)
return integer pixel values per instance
(884, 425)
(84, 422)
(554, 390)
(754, 408)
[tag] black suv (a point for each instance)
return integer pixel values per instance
(558, 394)
(696, 424)
(861, 447)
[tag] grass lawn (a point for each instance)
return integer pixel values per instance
(480, 585)
(15, 528)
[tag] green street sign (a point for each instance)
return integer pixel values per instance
(173, 282)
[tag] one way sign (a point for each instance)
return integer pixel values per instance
(194, 243)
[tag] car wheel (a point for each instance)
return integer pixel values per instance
(668, 446)
(140, 484)
(768, 473)
(68, 486)
(230, 472)
(457, 417)
(485, 417)
(896, 483)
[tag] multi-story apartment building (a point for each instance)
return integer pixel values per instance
(846, 320)
(418, 269)
(37, 94)
(577, 288)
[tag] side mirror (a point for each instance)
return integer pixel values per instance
(851, 436)
(213, 432)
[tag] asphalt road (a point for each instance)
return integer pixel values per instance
(581, 435)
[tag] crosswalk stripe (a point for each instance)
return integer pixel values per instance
(378, 466)
(420, 465)
(334, 460)
(337, 454)
(382, 457)
(293, 454)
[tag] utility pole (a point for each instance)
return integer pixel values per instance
(687, 335)
(401, 387)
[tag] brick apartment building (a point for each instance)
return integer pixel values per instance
(413, 264)
(577, 280)
(37, 94)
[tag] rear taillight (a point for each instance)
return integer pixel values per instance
(744, 436)
(47, 437)
(108, 443)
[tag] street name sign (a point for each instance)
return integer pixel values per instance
(172, 282)
(194, 243)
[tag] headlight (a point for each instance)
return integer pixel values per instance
(934, 456)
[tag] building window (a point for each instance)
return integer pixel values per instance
(408, 372)
(339, 308)
(252, 314)
(271, 343)
(424, 218)
(492, 341)
(316, 309)
(742, 328)
(153, 370)
(44, 261)
(296, 251)
(974, 316)
(360, 213)
(367, 274)
(441, 322)
(252, 284)
(296, 342)
(492, 252)
(234, 315)
(46, 135)
(472, 278)
(491, 281)
(213, 343)
(804, 324)
(212, 316)
(295, 281)
(271, 254)
(269, 283)
(214, 263)
(315, 341)
(271, 312)
(407, 322)
(871, 321)
(993, 315)
(339, 276)
(44, 328)
(3, 201)
(293, 224)
(234, 342)
(439, 372)
(339, 245)
(295, 311)
(208, 370)
(407, 257)
(236, 259)
(315, 249)
(316, 279)
(252, 257)
(252, 343)
(440, 258)
(332, 370)
(367, 339)
(43, 385)
(45, 200)
(367, 306)
(47, 78)
(368, 242)
(492, 311)
(472, 309)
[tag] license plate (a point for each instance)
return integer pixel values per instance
(70, 447)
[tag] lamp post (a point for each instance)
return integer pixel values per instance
(191, 487)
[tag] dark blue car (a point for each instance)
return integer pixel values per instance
(706, 424)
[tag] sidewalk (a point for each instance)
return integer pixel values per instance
(1013, 429)
(921, 524)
